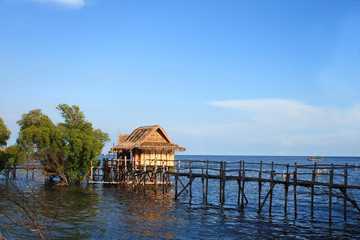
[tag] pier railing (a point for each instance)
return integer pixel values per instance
(328, 176)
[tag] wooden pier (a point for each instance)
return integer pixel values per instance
(128, 172)
(332, 179)
(29, 167)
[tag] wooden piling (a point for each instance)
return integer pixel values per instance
(155, 179)
(345, 184)
(190, 165)
(33, 172)
(207, 182)
(176, 180)
(260, 185)
(239, 183)
(144, 174)
(312, 190)
(223, 183)
(91, 171)
(220, 180)
(331, 178)
(286, 188)
(271, 186)
(295, 202)
(243, 184)
(163, 176)
(203, 180)
(27, 168)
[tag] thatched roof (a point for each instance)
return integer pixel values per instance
(122, 138)
(2, 149)
(150, 138)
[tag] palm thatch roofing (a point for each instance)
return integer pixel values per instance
(2, 149)
(149, 138)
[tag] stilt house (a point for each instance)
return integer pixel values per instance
(147, 144)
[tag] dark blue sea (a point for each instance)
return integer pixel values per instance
(117, 212)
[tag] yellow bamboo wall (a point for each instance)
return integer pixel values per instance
(150, 157)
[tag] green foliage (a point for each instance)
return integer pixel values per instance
(34, 118)
(67, 149)
(13, 155)
(4, 133)
(4, 136)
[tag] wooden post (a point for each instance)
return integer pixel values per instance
(27, 168)
(286, 188)
(220, 178)
(295, 180)
(164, 176)
(7, 173)
(124, 175)
(125, 163)
(260, 185)
(105, 169)
(155, 175)
(110, 169)
(33, 172)
(239, 183)
(331, 178)
(203, 180)
(14, 171)
(144, 172)
(223, 183)
(271, 186)
(345, 187)
(190, 165)
(176, 179)
(312, 190)
(168, 182)
(243, 184)
(133, 164)
(207, 181)
(91, 172)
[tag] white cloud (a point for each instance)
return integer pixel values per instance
(67, 3)
(276, 124)
(292, 114)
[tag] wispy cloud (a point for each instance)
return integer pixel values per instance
(293, 114)
(67, 3)
(290, 123)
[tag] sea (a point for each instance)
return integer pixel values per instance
(96, 211)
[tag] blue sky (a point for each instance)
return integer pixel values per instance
(237, 77)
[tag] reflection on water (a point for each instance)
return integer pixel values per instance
(115, 212)
(96, 212)
(144, 213)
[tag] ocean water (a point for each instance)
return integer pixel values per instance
(117, 212)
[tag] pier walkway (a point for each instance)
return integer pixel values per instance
(332, 178)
